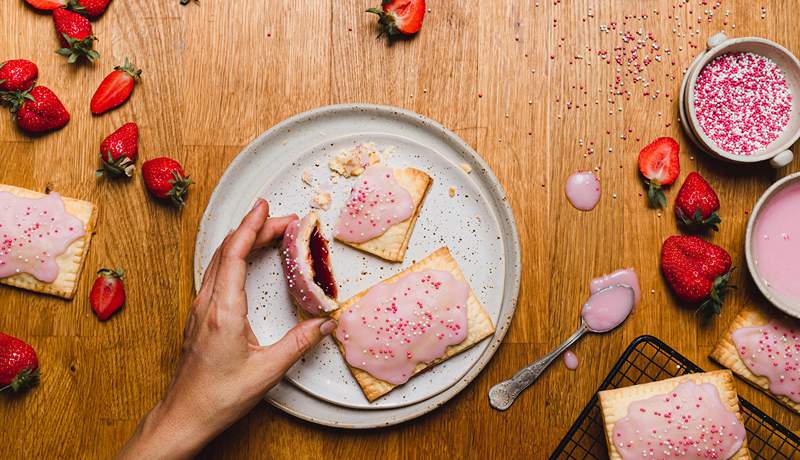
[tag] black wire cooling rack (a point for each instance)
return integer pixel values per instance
(648, 359)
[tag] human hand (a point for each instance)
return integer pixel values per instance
(223, 372)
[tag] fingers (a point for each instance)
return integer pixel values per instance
(273, 229)
(230, 277)
(296, 342)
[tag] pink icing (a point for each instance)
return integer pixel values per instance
(398, 325)
(690, 422)
(583, 190)
(776, 243)
(33, 232)
(772, 351)
(376, 203)
(608, 308)
(570, 360)
(622, 276)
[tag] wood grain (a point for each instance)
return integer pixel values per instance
(217, 74)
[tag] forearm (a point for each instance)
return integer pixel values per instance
(163, 434)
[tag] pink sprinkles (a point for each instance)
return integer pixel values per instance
(743, 102)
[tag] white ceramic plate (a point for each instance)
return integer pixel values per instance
(476, 225)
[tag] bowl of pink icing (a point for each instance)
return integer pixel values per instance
(772, 244)
(740, 100)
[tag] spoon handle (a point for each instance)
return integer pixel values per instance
(502, 395)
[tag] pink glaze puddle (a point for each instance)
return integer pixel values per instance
(570, 360)
(772, 351)
(624, 276)
(583, 190)
(33, 232)
(776, 243)
(743, 102)
(376, 203)
(689, 423)
(608, 308)
(398, 325)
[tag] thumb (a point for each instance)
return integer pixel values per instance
(301, 338)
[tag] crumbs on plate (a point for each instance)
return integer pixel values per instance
(353, 162)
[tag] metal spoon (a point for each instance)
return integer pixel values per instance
(503, 395)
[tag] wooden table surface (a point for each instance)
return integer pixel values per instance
(524, 82)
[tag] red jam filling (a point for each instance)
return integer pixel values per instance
(323, 276)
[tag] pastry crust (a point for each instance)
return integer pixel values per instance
(614, 403)
(479, 324)
(393, 243)
(70, 263)
(726, 354)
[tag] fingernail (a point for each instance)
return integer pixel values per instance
(328, 327)
(258, 203)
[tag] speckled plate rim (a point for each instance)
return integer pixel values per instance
(780, 304)
(291, 399)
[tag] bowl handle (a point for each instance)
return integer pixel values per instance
(716, 40)
(782, 159)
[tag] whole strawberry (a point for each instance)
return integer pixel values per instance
(75, 33)
(19, 366)
(697, 204)
(38, 110)
(400, 17)
(115, 88)
(107, 294)
(18, 75)
(660, 165)
(164, 178)
(697, 271)
(92, 9)
(118, 151)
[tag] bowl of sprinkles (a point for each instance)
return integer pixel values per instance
(740, 100)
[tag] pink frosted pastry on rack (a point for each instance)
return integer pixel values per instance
(306, 264)
(691, 417)
(764, 350)
(380, 213)
(44, 239)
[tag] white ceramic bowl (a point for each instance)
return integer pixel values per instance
(790, 308)
(777, 152)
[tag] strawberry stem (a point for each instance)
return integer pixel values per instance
(713, 305)
(655, 194)
(130, 69)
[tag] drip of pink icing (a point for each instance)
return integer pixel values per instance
(398, 325)
(690, 422)
(570, 360)
(376, 203)
(772, 351)
(33, 232)
(583, 190)
(622, 276)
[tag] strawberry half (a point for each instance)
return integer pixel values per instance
(697, 204)
(116, 88)
(118, 151)
(75, 33)
(46, 5)
(400, 17)
(165, 179)
(697, 271)
(38, 110)
(107, 294)
(19, 366)
(659, 163)
(17, 75)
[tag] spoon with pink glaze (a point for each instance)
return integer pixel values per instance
(603, 311)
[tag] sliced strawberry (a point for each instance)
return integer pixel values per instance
(400, 17)
(116, 88)
(659, 163)
(107, 294)
(46, 5)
